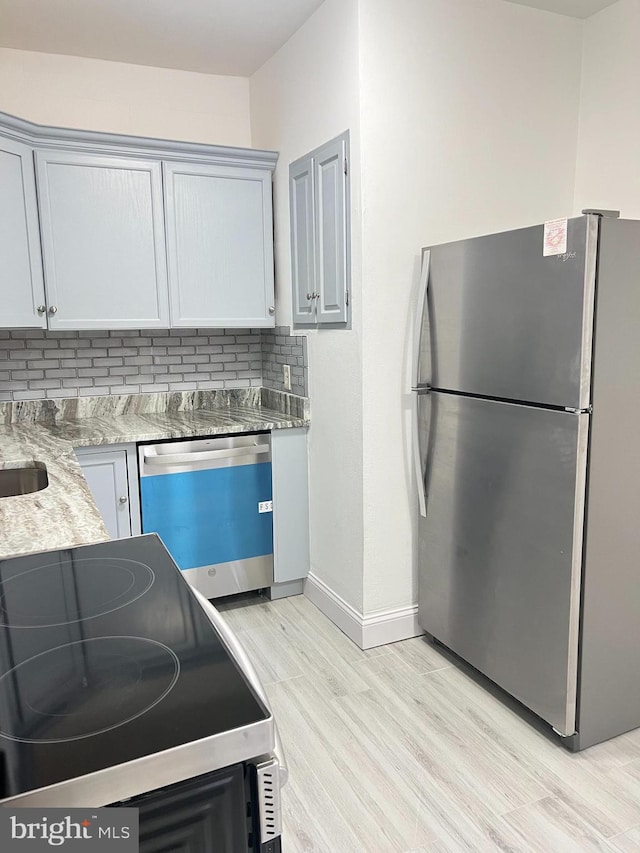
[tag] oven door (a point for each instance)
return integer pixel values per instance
(271, 772)
(231, 809)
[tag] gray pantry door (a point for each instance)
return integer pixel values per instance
(303, 269)
(502, 320)
(21, 282)
(102, 241)
(501, 545)
(332, 237)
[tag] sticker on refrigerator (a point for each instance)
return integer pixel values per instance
(555, 237)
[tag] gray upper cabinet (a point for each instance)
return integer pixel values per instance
(21, 283)
(102, 241)
(219, 245)
(320, 235)
(302, 241)
(110, 242)
(330, 173)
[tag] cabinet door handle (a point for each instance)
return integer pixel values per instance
(272, 309)
(41, 309)
(124, 499)
(53, 309)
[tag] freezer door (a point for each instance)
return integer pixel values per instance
(503, 320)
(500, 547)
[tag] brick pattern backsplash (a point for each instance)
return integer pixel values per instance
(280, 347)
(35, 363)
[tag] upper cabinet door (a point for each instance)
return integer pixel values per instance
(21, 284)
(330, 166)
(302, 240)
(320, 235)
(102, 241)
(219, 245)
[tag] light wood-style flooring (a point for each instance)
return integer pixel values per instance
(398, 749)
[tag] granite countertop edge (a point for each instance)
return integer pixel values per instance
(64, 514)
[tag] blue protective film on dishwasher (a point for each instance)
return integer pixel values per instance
(210, 516)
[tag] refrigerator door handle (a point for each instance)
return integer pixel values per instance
(419, 316)
(417, 456)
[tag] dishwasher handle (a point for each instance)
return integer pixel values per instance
(164, 459)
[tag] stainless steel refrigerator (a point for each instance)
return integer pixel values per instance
(527, 451)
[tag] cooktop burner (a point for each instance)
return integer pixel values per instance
(96, 586)
(107, 656)
(86, 688)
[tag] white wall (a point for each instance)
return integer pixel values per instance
(303, 96)
(469, 118)
(608, 173)
(464, 119)
(92, 94)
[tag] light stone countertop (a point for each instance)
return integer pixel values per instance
(121, 429)
(59, 516)
(64, 514)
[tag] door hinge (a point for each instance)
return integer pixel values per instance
(346, 166)
(346, 293)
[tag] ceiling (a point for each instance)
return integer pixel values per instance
(575, 8)
(213, 36)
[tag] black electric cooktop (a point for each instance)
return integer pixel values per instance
(107, 656)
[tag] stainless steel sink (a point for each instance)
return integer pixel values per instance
(22, 481)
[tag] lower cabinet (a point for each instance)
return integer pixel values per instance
(290, 504)
(112, 475)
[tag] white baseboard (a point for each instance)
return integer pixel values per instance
(389, 626)
(342, 614)
(377, 629)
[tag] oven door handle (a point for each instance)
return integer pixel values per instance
(243, 661)
(161, 459)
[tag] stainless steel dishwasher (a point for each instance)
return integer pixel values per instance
(210, 501)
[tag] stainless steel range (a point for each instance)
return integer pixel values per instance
(121, 685)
